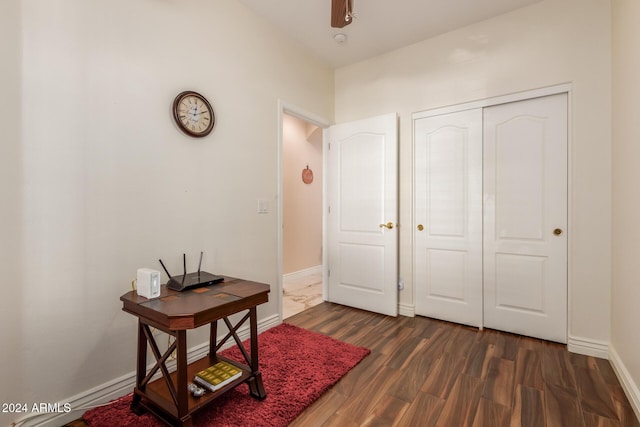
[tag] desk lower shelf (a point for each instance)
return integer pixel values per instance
(156, 394)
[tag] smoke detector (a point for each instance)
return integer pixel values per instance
(340, 38)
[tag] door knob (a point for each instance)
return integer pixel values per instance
(557, 231)
(388, 225)
(420, 227)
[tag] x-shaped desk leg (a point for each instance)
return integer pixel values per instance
(256, 387)
(179, 395)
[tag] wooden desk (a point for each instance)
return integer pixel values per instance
(176, 312)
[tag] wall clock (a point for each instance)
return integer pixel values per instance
(193, 114)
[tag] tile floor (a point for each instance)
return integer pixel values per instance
(301, 293)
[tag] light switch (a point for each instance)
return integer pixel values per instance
(263, 206)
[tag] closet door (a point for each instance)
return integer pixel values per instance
(448, 216)
(525, 217)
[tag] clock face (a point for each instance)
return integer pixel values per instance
(193, 114)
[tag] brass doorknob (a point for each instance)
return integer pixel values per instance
(420, 227)
(557, 231)
(388, 225)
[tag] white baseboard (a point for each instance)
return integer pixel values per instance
(302, 273)
(628, 384)
(123, 385)
(588, 347)
(408, 310)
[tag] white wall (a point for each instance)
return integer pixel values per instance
(100, 181)
(549, 43)
(11, 223)
(625, 341)
(301, 203)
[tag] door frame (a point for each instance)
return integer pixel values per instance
(285, 107)
(504, 99)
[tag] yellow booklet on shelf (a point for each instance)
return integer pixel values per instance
(217, 376)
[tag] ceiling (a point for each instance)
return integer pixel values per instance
(379, 25)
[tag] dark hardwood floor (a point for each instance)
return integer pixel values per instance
(425, 372)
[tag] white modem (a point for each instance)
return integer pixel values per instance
(148, 283)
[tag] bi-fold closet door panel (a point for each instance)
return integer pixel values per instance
(525, 217)
(448, 217)
(490, 212)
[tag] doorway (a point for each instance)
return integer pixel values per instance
(378, 136)
(301, 255)
(302, 174)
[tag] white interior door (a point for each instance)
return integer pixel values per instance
(448, 216)
(525, 217)
(362, 196)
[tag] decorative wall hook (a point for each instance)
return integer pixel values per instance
(307, 175)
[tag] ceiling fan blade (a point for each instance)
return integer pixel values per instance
(339, 13)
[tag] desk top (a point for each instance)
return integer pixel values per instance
(192, 308)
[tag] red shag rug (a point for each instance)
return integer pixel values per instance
(297, 367)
